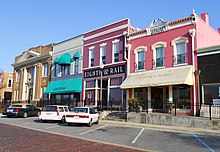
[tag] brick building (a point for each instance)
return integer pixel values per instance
(6, 82)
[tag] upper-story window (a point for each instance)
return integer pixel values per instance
(9, 83)
(45, 70)
(158, 55)
(76, 66)
(32, 74)
(65, 70)
(103, 53)
(91, 56)
(140, 57)
(180, 53)
(56, 70)
(115, 50)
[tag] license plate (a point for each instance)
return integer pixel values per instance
(48, 114)
(77, 117)
(10, 110)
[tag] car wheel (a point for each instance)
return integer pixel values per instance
(44, 121)
(62, 120)
(97, 122)
(69, 124)
(8, 116)
(90, 123)
(25, 115)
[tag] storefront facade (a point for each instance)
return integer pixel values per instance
(163, 63)
(105, 66)
(66, 75)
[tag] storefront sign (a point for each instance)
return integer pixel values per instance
(158, 26)
(106, 71)
(59, 88)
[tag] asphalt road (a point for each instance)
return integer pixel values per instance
(101, 135)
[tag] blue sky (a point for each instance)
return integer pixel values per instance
(30, 23)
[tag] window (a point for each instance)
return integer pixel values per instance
(32, 74)
(158, 54)
(56, 71)
(65, 70)
(91, 57)
(103, 53)
(45, 70)
(140, 57)
(115, 50)
(140, 63)
(9, 83)
(76, 65)
(179, 45)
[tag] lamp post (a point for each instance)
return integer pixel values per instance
(101, 67)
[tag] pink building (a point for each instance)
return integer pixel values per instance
(104, 65)
(163, 63)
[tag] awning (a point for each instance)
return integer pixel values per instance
(56, 60)
(64, 86)
(65, 59)
(76, 55)
(159, 77)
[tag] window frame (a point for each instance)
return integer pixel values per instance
(10, 83)
(116, 41)
(137, 51)
(154, 48)
(103, 45)
(92, 48)
(43, 71)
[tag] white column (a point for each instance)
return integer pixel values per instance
(96, 91)
(34, 83)
(84, 93)
(127, 97)
(170, 94)
(192, 34)
(24, 81)
(108, 92)
(203, 95)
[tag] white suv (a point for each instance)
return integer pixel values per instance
(54, 112)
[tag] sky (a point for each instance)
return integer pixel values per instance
(30, 23)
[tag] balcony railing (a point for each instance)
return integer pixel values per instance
(159, 62)
(140, 65)
(180, 58)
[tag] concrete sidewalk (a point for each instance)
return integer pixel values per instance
(161, 127)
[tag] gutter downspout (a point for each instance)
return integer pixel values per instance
(192, 34)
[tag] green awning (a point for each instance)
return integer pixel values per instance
(65, 86)
(76, 55)
(56, 60)
(65, 59)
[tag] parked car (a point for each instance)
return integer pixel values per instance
(54, 113)
(21, 110)
(82, 115)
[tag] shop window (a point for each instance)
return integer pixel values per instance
(158, 54)
(90, 97)
(115, 51)
(181, 96)
(212, 94)
(115, 81)
(90, 84)
(115, 98)
(180, 52)
(142, 95)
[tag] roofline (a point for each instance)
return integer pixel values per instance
(208, 49)
(107, 25)
(68, 39)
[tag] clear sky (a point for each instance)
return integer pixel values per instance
(30, 23)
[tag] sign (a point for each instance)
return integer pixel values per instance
(158, 26)
(106, 71)
(59, 88)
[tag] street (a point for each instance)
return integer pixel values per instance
(101, 137)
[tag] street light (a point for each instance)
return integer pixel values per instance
(101, 67)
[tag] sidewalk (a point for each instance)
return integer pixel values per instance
(161, 127)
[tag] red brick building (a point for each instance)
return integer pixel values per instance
(163, 62)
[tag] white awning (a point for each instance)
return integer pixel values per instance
(160, 77)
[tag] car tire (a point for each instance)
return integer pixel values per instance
(90, 123)
(69, 124)
(8, 116)
(97, 122)
(63, 120)
(25, 115)
(44, 121)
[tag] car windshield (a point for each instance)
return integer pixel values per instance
(81, 110)
(50, 108)
(15, 106)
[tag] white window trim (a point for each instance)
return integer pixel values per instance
(176, 41)
(158, 45)
(136, 50)
(18, 73)
(101, 46)
(90, 49)
(113, 50)
(43, 69)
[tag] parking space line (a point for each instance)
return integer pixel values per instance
(26, 123)
(51, 127)
(93, 129)
(209, 148)
(137, 136)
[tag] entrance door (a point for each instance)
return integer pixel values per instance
(157, 98)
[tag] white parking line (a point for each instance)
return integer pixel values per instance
(93, 129)
(137, 136)
(51, 127)
(27, 123)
